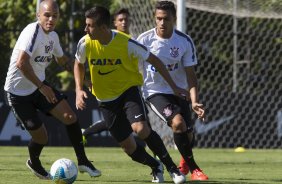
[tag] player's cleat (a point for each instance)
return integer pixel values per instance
(183, 167)
(198, 175)
(87, 166)
(177, 176)
(38, 170)
(158, 174)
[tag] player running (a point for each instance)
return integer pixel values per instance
(177, 52)
(113, 61)
(27, 91)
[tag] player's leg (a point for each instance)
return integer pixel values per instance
(63, 112)
(95, 128)
(180, 122)
(26, 114)
(122, 132)
(136, 114)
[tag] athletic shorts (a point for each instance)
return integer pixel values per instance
(26, 108)
(166, 106)
(120, 113)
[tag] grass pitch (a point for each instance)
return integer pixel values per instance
(221, 165)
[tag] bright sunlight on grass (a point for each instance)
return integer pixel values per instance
(221, 165)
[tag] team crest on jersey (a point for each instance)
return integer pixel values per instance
(174, 52)
(167, 111)
(49, 47)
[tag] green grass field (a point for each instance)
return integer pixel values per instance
(221, 165)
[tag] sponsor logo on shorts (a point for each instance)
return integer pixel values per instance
(167, 112)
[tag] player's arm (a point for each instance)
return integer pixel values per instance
(65, 62)
(24, 66)
(79, 73)
(193, 90)
(157, 63)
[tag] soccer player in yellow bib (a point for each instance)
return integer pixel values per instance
(113, 62)
(122, 23)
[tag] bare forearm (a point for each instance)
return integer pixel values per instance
(192, 83)
(79, 73)
(194, 95)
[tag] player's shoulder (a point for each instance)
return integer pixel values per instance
(147, 34)
(120, 33)
(31, 28)
(182, 35)
(83, 39)
(82, 42)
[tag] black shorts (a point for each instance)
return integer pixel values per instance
(166, 106)
(25, 108)
(120, 113)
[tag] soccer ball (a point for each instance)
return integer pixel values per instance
(63, 171)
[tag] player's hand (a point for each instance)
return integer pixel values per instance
(199, 110)
(182, 93)
(79, 100)
(48, 93)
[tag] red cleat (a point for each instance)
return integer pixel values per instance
(183, 167)
(198, 175)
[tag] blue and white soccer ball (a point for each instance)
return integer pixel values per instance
(63, 171)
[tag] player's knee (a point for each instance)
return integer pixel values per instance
(178, 126)
(142, 130)
(69, 118)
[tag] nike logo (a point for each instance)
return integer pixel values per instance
(138, 116)
(201, 128)
(105, 73)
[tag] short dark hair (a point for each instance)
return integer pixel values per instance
(100, 14)
(121, 11)
(167, 6)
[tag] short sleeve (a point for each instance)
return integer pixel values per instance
(138, 50)
(80, 54)
(190, 57)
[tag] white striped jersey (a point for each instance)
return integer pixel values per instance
(40, 47)
(176, 53)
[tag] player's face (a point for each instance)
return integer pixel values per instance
(165, 23)
(92, 29)
(47, 16)
(122, 23)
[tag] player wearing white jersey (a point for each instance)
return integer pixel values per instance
(27, 91)
(178, 54)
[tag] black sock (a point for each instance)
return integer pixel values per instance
(141, 156)
(35, 151)
(156, 144)
(75, 136)
(182, 142)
